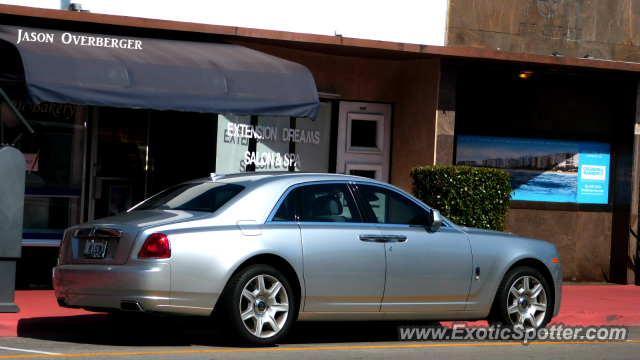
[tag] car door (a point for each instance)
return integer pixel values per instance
(426, 271)
(342, 272)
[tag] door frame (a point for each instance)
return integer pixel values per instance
(356, 158)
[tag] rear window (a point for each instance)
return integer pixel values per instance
(205, 197)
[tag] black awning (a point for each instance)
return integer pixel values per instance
(40, 65)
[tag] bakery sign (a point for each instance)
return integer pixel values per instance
(78, 40)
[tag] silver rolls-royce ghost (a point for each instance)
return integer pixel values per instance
(266, 249)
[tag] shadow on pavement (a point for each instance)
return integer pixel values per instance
(98, 329)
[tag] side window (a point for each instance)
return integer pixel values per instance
(328, 203)
(389, 207)
(287, 209)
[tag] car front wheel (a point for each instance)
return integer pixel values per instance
(523, 299)
(259, 305)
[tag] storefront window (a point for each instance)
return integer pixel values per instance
(121, 160)
(122, 143)
(46, 213)
(232, 144)
(314, 155)
(273, 143)
(182, 147)
(53, 155)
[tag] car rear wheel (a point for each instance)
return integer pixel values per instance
(259, 305)
(523, 299)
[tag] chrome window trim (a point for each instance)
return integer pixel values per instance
(411, 198)
(320, 182)
(332, 223)
(281, 223)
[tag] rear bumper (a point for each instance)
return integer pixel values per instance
(106, 286)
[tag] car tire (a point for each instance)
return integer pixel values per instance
(523, 299)
(259, 305)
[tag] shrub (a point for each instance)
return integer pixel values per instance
(468, 196)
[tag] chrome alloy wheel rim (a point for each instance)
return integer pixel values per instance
(527, 302)
(264, 306)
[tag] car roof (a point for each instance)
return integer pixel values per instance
(283, 175)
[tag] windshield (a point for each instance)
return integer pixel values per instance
(205, 197)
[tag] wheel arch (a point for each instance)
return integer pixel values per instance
(277, 262)
(543, 269)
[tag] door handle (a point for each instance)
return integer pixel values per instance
(373, 238)
(395, 238)
(383, 238)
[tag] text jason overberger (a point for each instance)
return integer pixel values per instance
(83, 40)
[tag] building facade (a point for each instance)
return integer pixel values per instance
(528, 77)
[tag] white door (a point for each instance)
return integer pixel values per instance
(364, 139)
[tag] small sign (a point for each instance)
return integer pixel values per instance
(32, 161)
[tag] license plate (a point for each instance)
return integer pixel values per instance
(95, 249)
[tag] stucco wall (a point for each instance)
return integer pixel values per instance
(603, 29)
(583, 239)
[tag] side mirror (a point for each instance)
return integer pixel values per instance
(435, 220)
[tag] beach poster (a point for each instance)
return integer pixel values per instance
(543, 170)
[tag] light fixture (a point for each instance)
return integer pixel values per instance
(556, 53)
(525, 75)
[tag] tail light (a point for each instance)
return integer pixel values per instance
(157, 246)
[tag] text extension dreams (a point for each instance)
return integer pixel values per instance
(271, 133)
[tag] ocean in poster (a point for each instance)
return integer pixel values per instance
(544, 186)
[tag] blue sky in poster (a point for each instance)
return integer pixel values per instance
(479, 148)
(584, 185)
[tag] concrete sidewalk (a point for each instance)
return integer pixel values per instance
(581, 305)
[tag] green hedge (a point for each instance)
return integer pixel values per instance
(468, 196)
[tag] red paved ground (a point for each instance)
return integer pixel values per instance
(581, 305)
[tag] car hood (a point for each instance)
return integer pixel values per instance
(474, 231)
